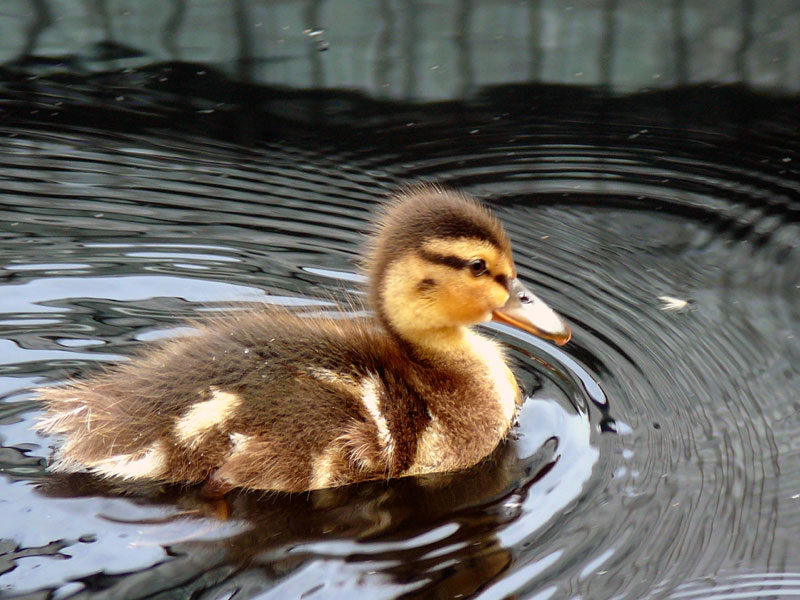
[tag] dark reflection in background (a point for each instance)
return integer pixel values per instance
(414, 50)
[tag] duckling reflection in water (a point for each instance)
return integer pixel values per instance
(271, 400)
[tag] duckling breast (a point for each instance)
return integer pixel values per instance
(498, 377)
(470, 420)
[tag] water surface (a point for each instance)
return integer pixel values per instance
(657, 452)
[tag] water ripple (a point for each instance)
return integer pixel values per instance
(657, 453)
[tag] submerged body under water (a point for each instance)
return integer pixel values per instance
(657, 453)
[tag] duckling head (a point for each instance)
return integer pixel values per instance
(440, 262)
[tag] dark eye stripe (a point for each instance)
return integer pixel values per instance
(502, 280)
(454, 262)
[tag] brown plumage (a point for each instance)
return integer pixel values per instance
(273, 400)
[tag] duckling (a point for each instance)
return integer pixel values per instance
(272, 400)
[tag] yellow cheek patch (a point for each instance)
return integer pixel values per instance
(432, 287)
(453, 298)
(463, 308)
(498, 296)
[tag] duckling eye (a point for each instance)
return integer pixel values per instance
(478, 267)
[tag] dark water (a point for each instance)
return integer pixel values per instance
(658, 451)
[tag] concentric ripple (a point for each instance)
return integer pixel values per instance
(657, 452)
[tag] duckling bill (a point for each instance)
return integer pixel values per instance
(271, 400)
